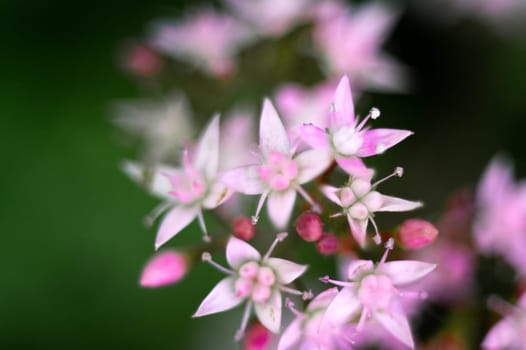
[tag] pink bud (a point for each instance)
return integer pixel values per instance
(243, 228)
(163, 269)
(257, 338)
(328, 244)
(309, 227)
(143, 61)
(416, 233)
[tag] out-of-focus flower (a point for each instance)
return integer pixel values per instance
(163, 269)
(257, 281)
(500, 220)
(306, 332)
(350, 43)
(360, 200)
(270, 17)
(280, 173)
(258, 337)
(347, 138)
(417, 233)
(493, 10)
(309, 227)
(374, 291)
(189, 189)
(509, 332)
(328, 244)
(206, 38)
(143, 61)
(163, 126)
(243, 228)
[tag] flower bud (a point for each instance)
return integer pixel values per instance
(328, 244)
(143, 61)
(163, 269)
(243, 228)
(257, 338)
(416, 233)
(309, 227)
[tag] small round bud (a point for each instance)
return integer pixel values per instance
(143, 61)
(328, 244)
(163, 269)
(243, 287)
(416, 233)
(266, 276)
(249, 270)
(243, 228)
(257, 338)
(309, 227)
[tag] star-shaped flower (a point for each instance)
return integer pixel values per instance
(258, 281)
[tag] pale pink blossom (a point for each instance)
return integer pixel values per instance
(347, 138)
(270, 17)
(508, 333)
(500, 219)
(188, 190)
(350, 41)
(306, 331)
(254, 280)
(359, 200)
(280, 173)
(163, 269)
(374, 292)
(206, 38)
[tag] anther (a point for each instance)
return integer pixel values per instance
(324, 279)
(398, 172)
(206, 256)
(307, 295)
(375, 113)
(389, 244)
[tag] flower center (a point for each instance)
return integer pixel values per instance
(279, 171)
(347, 140)
(255, 281)
(359, 199)
(188, 187)
(376, 292)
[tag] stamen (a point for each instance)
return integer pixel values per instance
(279, 238)
(261, 201)
(398, 172)
(314, 206)
(374, 113)
(289, 304)
(155, 213)
(336, 215)
(327, 279)
(376, 238)
(207, 257)
(305, 295)
(389, 245)
(363, 318)
(201, 220)
(187, 164)
(244, 322)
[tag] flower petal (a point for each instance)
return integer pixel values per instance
(153, 179)
(239, 251)
(377, 141)
(173, 222)
(244, 179)
(269, 313)
(221, 298)
(312, 163)
(406, 271)
(501, 336)
(342, 308)
(354, 167)
(291, 336)
(272, 133)
(398, 204)
(280, 205)
(287, 271)
(207, 152)
(218, 194)
(314, 136)
(343, 105)
(358, 229)
(331, 193)
(323, 299)
(395, 322)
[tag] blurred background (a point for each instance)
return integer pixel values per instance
(73, 243)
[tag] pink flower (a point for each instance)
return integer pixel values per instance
(360, 200)
(350, 43)
(500, 220)
(417, 233)
(257, 281)
(187, 190)
(306, 332)
(206, 38)
(280, 173)
(346, 138)
(163, 269)
(270, 17)
(374, 292)
(509, 332)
